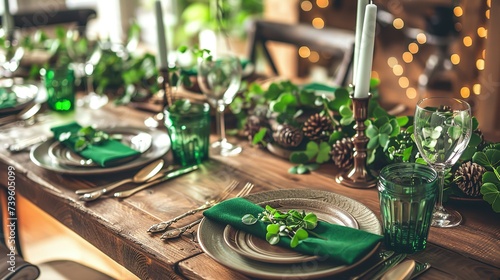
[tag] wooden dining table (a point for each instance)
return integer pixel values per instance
(118, 227)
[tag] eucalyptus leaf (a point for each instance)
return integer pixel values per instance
(323, 153)
(249, 219)
(301, 169)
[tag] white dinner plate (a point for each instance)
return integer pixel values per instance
(211, 239)
(25, 94)
(159, 146)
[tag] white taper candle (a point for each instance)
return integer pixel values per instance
(360, 16)
(364, 67)
(162, 41)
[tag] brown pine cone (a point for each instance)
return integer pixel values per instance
(468, 178)
(288, 136)
(318, 127)
(342, 153)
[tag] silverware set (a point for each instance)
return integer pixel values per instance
(150, 175)
(393, 266)
(177, 232)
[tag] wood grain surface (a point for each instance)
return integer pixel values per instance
(118, 227)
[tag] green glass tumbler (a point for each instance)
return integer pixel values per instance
(60, 85)
(407, 194)
(189, 133)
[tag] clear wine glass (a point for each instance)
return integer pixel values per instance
(85, 55)
(443, 127)
(219, 77)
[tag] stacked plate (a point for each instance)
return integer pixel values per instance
(257, 258)
(25, 94)
(53, 155)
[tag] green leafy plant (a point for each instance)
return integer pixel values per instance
(85, 137)
(295, 224)
(490, 159)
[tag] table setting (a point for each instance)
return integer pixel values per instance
(317, 201)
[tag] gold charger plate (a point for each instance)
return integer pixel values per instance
(211, 239)
(258, 249)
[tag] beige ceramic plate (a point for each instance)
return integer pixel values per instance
(211, 239)
(258, 249)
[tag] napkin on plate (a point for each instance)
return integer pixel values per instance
(343, 244)
(104, 154)
(8, 98)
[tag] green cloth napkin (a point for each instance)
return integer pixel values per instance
(8, 99)
(104, 154)
(343, 244)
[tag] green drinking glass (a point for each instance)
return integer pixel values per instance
(407, 194)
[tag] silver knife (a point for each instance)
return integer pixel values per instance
(168, 176)
(420, 268)
(387, 265)
(383, 256)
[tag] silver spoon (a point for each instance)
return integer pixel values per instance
(141, 176)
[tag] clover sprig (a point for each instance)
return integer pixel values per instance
(295, 224)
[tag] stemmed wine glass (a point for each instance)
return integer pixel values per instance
(219, 77)
(85, 55)
(443, 127)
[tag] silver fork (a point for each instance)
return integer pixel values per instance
(223, 195)
(177, 232)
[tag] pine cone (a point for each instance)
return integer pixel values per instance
(469, 178)
(483, 142)
(342, 153)
(318, 127)
(288, 136)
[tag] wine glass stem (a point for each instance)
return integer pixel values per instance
(221, 129)
(439, 202)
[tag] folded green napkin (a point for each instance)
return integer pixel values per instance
(105, 153)
(318, 87)
(343, 244)
(8, 98)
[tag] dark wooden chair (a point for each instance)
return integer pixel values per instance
(79, 17)
(337, 42)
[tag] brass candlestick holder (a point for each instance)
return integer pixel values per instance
(164, 81)
(359, 176)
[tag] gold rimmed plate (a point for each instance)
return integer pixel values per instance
(258, 249)
(211, 239)
(160, 144)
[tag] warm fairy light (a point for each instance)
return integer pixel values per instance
(455, 59)
(458, 11)
(375, 75)
(488, 3)
(318, 23)
(465, 92)
(322, 3)
(392, 61)
(398, 23)
(314, 57)
(407, 57)
(480, 64)
(397, 70)
(304, 52)
(487, 14)
(403, 82)
(421, 38)
(306, 6)
(481, 31)
(467, 41)
(411, 93)
(476, 89)
(483, 54)
(413, 48)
